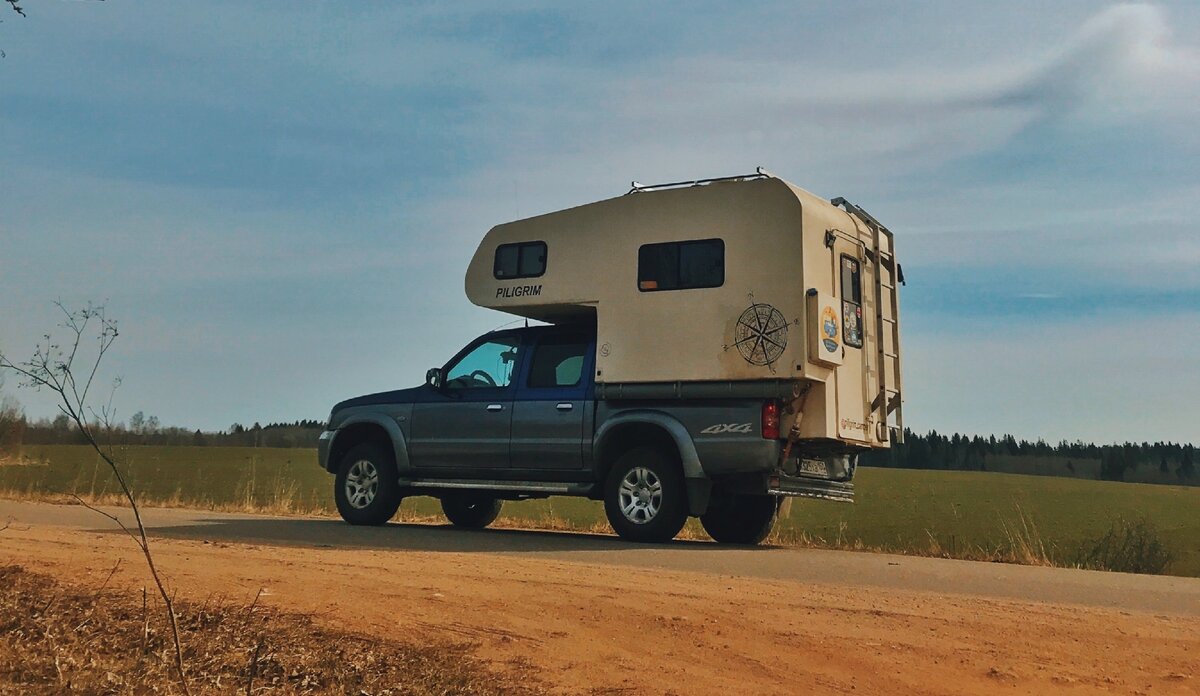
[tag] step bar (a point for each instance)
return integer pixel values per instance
(804, 487)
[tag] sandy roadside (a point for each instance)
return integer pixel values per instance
(591, 626)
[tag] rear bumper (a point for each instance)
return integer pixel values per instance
(804, 487)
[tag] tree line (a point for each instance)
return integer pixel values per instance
(146, 430)
(934, 450)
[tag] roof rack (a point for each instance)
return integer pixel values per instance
(759, 173)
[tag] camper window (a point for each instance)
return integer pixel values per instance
(852, 333)
(524, 260)
(681, 265)
(558, 362)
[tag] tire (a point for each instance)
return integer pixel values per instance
(470, 511)
(367, 487)
(741, 519)
(645, 498)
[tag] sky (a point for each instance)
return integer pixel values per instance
(278, 200)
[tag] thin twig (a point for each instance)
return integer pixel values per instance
(253, 670)
(103, 585)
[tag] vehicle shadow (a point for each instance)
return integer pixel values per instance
(320, 533)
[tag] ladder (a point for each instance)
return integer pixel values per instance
(887, 407)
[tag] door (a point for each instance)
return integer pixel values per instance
(466, 423)
(854, 375)
(552, 404)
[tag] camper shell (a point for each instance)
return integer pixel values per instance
(742, 286)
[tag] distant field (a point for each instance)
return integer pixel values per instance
(952, 513)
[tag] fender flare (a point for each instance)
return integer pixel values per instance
(676, 430)
(699, 487)
(399, 444)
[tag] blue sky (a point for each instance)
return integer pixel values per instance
(278, 200)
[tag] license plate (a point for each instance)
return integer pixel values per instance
(814, 467)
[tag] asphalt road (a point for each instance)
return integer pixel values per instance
(841, 571)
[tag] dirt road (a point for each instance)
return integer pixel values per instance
(593, 613)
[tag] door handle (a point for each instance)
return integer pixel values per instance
(565, 407)
(495, 407)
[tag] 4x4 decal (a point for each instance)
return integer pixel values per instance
(720, 428)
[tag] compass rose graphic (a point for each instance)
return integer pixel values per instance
(761, 334)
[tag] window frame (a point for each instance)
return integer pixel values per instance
(520, 246)
(681, 243)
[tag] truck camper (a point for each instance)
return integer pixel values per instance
(712, 346)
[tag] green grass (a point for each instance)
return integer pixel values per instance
(951, 513)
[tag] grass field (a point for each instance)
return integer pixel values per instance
(982, 515)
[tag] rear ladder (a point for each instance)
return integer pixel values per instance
(888, 405)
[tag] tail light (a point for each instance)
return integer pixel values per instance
(770, 420)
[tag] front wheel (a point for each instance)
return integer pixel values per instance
(367, 487)
(470, 511)
(741, 519)
(644, 496)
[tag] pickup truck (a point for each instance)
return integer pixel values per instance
(517, 414)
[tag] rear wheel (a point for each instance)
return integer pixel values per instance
(470, 511)
(644, 496)
(741, 519)
(367, 487)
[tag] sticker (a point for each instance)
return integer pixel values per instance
(829, 328)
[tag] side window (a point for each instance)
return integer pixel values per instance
(852, 320)
(523, 260)
(558, 362)
(488, 365)
(681, 265)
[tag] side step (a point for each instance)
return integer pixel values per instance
(801, 487)
(519, 489)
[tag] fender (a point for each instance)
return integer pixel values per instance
(399, 444)
(683, 439)
(699, 487)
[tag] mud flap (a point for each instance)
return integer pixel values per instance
(699, 491)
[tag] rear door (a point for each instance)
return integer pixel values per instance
(552, 403)
(466, 424)
(855, 374)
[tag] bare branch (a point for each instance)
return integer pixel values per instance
(53, 368)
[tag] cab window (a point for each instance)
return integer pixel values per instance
(487, 365)
(558, 362)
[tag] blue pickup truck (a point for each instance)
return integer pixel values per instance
(516, 414)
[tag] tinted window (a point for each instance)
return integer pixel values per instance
(558, 362)
(524, 260)
(489, 364)
(681, 265)
(852, 323)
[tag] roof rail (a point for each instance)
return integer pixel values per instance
(759, 173)
(851, 208)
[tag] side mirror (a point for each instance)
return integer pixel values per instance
(433, 377)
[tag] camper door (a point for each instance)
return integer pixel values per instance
(850, 280)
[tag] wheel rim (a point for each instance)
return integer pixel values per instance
(640, 495)
(362, 483)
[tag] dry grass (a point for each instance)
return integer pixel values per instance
(57, 639)
(1127, 547)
